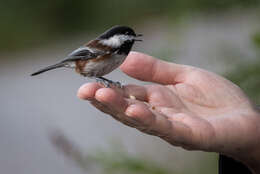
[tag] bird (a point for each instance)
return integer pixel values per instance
(100, 56)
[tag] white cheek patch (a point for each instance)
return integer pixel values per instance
(116, 40)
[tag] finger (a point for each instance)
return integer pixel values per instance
(117, 116)
(147, 68)
(88, 91)
(115, 104)
(112, 99)
(112, 102)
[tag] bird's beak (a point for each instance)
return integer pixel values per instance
(138, 35)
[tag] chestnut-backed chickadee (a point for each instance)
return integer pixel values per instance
(101, 55)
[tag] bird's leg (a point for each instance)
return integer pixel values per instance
(107, 83)
(103, 82)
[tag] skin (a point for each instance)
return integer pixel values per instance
(186, 106)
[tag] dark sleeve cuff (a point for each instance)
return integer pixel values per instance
(227, 165)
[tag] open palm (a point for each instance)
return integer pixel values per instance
(187, 106)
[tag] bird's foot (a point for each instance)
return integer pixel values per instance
(103, 82)
(107, 83)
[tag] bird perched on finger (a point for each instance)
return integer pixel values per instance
(100, 56)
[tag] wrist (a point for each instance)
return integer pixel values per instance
(252, 161)
(251, 155)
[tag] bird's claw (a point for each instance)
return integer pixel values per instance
(107, 83)
(118, 84)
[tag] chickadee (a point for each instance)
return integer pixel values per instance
(101, 55)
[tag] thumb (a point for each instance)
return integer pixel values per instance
(148, 68)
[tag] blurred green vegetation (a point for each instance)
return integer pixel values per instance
(121, 162)
(256, 40)
(25, 23)
(247, 75)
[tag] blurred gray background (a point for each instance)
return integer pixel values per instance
(222, 36)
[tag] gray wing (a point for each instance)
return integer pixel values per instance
(83, 53)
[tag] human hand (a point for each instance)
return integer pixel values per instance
(188, 107)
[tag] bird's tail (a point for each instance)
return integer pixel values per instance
(58, 65)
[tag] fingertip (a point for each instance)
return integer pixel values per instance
(134, 110)
(136, 54)
(131, 61)
(138, 65)
(138, 111)
(112, 99)
(105, 95)
(87, 91)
